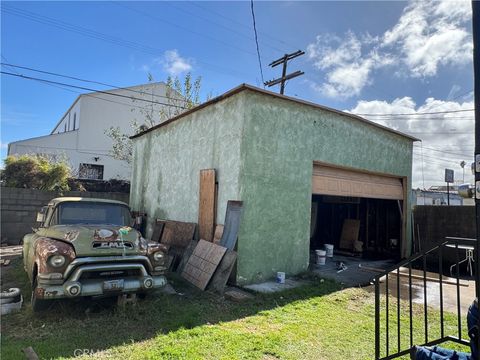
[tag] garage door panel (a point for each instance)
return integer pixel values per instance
(340, 182)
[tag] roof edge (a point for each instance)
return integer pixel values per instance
(245, 86)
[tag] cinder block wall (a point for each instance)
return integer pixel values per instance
(19, 208)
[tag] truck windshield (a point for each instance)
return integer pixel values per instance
(84, 212)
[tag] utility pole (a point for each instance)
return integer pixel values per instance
(476, 77)
(283, 60)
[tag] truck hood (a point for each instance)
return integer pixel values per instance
(98, 240)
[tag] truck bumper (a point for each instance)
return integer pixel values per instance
(76, 286)
(73, 289)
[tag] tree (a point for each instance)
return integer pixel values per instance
(180, 97)
(36, 172)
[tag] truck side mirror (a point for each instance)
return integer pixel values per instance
(41, 215)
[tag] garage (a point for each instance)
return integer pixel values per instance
(359, 213)
(264, 148)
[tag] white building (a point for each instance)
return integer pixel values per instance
(80, 136)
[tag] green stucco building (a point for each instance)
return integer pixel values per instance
(300, 169)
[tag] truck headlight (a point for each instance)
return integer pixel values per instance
(57, 260)
(159, 256)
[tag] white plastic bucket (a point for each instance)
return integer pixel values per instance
(281, 277)
(321, 257)
(329, 250)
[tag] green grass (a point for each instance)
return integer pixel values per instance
(317, 321)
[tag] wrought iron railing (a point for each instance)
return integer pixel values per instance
(384, 349)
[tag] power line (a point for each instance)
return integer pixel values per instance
(229, 19)
(108, 38)
(256, 41)
(450, 161)
(87, 94)
(416, 114)
(443, 151)
(89, 89)
(182, 27)
(457, 118)
(116, 87)
(440, 132)
(219, 25)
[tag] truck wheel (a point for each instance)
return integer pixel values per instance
(38, 304)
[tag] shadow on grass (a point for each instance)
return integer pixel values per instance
(97, 325)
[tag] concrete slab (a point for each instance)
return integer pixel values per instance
(272, 286)
(353, 276)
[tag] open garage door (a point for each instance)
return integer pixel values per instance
(341, 182)
(373, 204)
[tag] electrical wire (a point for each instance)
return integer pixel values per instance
(230, 20)
(116, 87)
(418, 113)
(89, 89)
(440, 118)
(109, 38)
(256, 42)
(156, 18)
(220, 25)
(442, 151)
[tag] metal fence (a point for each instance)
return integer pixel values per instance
(403, 340)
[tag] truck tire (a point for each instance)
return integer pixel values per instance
(38, 305)
(10, 296)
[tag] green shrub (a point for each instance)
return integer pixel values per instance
(36, 172)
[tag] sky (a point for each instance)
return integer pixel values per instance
(382, 59)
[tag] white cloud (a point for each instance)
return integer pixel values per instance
(3, 145)
(428, 35)
(174, 64)
(432, 33)
(347, 71)
(447, 139)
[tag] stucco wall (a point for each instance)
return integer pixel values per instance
(167, 162)
(281, 141)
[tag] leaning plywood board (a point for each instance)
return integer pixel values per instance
(177, 233)
(202, 263)
(350, 230)
(232, 224)
(186, 255)
(222, 274)
(206, 209)
(157, 230)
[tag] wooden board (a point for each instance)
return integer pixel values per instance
(232, 224)
(222, 274)
(202, 263)
(217, 236)
(186, 255)
(206, 206)
(158, 230)
(177, 233)
(350, 230)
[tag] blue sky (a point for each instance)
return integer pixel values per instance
(364, 57)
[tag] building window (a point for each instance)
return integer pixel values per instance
(74, 121)
(90, 171)
(65, 127)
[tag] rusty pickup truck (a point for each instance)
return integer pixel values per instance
(87, 247)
